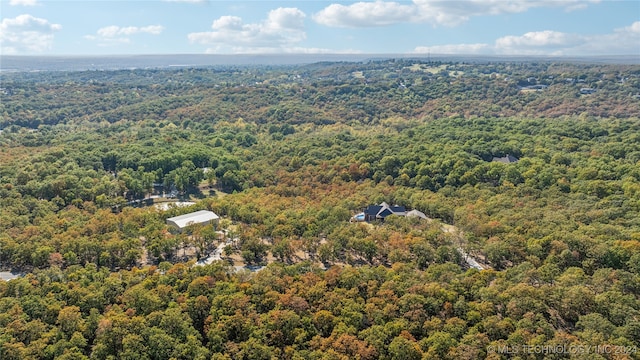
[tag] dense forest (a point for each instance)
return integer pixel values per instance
(286, 155)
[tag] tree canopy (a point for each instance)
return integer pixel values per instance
(286, 155)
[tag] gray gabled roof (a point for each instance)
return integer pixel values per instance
(383, 210)
(506, 159)
(417, 213)
(198, 217)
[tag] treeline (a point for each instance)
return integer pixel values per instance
(360, 92)
(301, 312)
(291, 154)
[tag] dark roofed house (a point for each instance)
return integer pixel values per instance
(379, 212)
(506, 160)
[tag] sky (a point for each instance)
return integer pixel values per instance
(461, 27)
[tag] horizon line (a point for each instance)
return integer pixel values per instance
(326, 54)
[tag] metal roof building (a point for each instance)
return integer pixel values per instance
(417, 213)
(506, 160)
(7, 275)
(199, 217)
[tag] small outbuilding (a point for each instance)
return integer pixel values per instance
(509, 159)
(203, 217)
(8, 275)
(418, 214)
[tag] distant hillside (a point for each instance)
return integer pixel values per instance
(119, 62)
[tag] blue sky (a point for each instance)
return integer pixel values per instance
(487, 27)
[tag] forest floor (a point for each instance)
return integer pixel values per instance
(237, 261)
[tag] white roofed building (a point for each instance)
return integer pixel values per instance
(203, 217)
(417, 213)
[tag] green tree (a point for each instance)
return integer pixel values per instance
(402, 348)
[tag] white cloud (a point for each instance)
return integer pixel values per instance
(285, 18)
(272, 50)
(623, 41)
(26, 34)
(111, 35)
(187, 1)
(364, 14)
(23, 2)
(633, 28)
(467, 49)
(437, 12)
(113, 31)
(281, 30)
(538, 43)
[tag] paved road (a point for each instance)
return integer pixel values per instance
(215, 255)
(470, 260)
